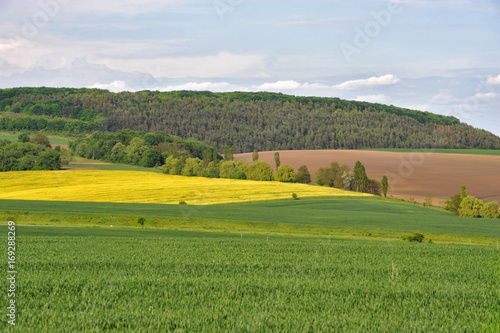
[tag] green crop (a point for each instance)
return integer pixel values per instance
(91, 279)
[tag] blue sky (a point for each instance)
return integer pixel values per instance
(441, 56)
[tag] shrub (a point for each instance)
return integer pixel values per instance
(295, 196)
(415, 237)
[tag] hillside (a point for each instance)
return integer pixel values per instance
(245, 121)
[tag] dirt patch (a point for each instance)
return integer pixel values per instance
(410, 174)
(62, 146)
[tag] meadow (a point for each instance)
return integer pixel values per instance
(87, 279)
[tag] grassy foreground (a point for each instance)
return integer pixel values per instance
(365, 218)
(147, 187)
(86, 279)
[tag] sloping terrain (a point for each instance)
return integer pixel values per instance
(413, 174)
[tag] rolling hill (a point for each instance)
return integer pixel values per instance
(244, 121)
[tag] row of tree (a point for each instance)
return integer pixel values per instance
(29, 154)
(247, 121)
(468, 206)
(341, 176)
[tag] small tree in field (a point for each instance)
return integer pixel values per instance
(141, 221)
(428, 200)
(385, 185)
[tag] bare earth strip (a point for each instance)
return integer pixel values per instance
(413, 174)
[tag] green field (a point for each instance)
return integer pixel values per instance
(88, 279)
(494, 152)
(348, 216)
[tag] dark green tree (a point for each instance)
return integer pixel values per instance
(23, 137)
(303, 175)
(228, 154)
(41, 139)
(277, 160)
(385, 185)
(360, 177)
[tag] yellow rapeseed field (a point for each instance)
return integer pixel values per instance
(147, 187)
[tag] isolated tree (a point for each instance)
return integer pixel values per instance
(303, 175)
(23, 137)
(360, 177)
(255, 155)
(286, 174)
(385, 185)
(277, 160)
(141, 221)
(41, 139)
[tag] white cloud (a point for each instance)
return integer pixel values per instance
(115, 86)
(486, 95)
(493, 80)
(280, 85)
(379, 98)
(371, 82)
(443, 97)
(210, 86)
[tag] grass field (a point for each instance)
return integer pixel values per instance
(143, 187)
(325, 217)
(88, 279)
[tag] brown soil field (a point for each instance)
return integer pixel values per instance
(412, 174)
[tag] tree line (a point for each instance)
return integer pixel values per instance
(139, 148)
(30, 154)
(248, 121)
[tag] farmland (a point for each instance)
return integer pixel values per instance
(143, 280)
(144, 187)
(411, 174)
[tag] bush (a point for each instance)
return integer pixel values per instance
(237, 174)
(295, 196)
(415, 237)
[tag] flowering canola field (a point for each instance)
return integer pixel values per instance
(147, 187)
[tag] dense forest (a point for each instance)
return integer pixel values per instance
(244, 121)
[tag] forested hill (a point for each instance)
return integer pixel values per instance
(245, 121)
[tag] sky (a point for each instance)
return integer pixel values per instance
(441, 56)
